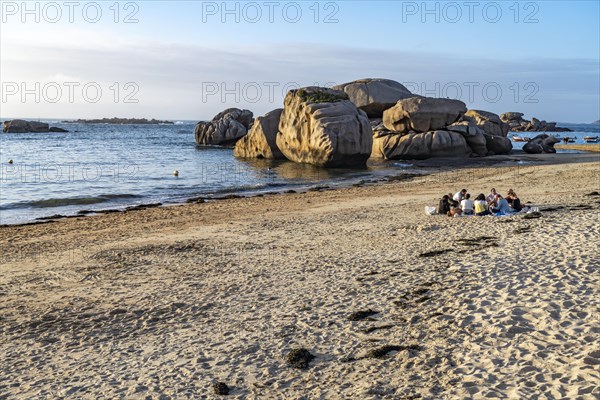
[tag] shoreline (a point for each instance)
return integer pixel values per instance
(457, 165)
(390, 301)
(590, 147)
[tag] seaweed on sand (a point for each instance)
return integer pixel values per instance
(299, 358)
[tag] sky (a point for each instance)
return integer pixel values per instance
(188, 60)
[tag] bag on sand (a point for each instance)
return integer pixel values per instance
(430, 210)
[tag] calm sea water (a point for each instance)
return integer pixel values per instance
(579, 132)
(96, 167)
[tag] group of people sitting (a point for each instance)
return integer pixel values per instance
(493, 204)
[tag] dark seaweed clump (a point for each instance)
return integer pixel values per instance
(532, 215)
(299, 358)
(435, 253)
(221, 388)
(360, 315)
(381, 352)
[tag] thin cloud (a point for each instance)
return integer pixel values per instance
(174, 74)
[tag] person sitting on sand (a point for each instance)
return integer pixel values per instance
(459, 196)
(514, 201)
(453, 203)
(444, 205)
(481, 206)
(467, 205)
(455, 212)
(491, 197)
(501, 206)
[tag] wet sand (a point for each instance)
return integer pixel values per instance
(592, 147)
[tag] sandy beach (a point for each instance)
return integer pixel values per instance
(581, 147)
(163, 303)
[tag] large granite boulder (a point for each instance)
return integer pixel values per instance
(225, 129)
(322, 127)
(495, 130)
(374, 96)
(489, 122)
(476, 133)
(541, 144)
(510, 116)
(515, 121)
(423, 114)
(379, 129)
(261, 140)
(243, 116)
(21, 126)
(416, 146)
(474, 136)
(497, 144)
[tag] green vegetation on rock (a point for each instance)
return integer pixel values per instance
(321, 97)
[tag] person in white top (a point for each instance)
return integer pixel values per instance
(491, 198)
(459, 196)
(467, 205)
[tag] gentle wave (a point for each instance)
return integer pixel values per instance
(68, 201)
(239, 189)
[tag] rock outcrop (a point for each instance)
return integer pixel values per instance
(453, 131)
(225, 129)
(474, 136)
(57, 130)
(497, 145)
(489, 122)
(422, 114)
(541, 144)
(381, 118)
(323, 127)
(379, 129)
(374, 96)
(22, 126)
(495, 130)
(518, 124)
(511, 116)
(261, 140)
(411, 146)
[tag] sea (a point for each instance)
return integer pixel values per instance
(99, 167)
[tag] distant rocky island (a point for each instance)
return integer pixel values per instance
(121, 121)
(518, 124)
(22, 126)
(596, 122)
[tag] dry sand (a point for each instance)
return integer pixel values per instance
(163, 303)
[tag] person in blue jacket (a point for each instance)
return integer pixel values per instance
(501, 206)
